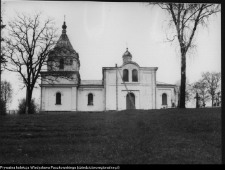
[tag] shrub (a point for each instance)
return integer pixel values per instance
(2, 107)
(22, 107)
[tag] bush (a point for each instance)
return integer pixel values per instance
(22, 107)
(2, 107)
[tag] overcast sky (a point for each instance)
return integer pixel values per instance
(101, 31)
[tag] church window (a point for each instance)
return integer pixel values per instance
(134, 75)
(58, 98)
(71, 62)
(61, 64)
(90, 99)
(125, 75)
(164, 99)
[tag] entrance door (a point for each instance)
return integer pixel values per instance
(129, 103)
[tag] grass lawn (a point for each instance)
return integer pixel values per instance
(170, 136)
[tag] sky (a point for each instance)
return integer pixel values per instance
(101, 31)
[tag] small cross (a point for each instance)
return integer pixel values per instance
(197, 98)
(64, 18)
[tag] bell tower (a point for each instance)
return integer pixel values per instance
(63, 57)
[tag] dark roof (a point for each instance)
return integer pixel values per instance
(129, 62)
(64, 40)
(164, 84)
(91, 82)
(127, 53)
(63, 47)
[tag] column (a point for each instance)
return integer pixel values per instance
(43, 91)
(73, 98)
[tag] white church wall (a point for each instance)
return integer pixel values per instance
(170, 96)
(122, 97)
(43, 94)
(111, 97)
(122, 93)
(73, 98)
(144, 89)
(129, 67)
(146, 97)
(98, 99)
(111, 89)
(68, 101)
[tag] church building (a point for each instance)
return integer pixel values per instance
(128, 86)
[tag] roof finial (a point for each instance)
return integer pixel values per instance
(64, 25)
(127, 47)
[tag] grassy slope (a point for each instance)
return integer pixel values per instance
(130, 137)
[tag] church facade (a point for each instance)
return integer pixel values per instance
(128, 86)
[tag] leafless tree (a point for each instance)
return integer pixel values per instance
(200, 87)
(188, 94)
(2, 56)
(6, 89)
(30, 39)
(186, 18)
(212, 81)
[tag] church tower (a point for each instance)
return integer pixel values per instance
(63, 57)
(60, 82)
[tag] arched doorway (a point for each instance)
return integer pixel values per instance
(129, 103)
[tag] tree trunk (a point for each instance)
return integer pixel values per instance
(29, 98)
(0, 84)
(26, 106)
(183, 79)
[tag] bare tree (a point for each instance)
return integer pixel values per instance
(186, 18)
(218, 98)
(188, 93)
(28, 45)
(200, 87)
(212, 81)
(2, 56)
(6, 89)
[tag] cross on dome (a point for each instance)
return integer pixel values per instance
(64, 26)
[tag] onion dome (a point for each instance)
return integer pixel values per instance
(64, 28)
(127, 56)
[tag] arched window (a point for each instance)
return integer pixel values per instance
(90, 99)
(125, 75)
(61, 64)
(164, 99)
(134, 75)
(71, 62)
(58, 98)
